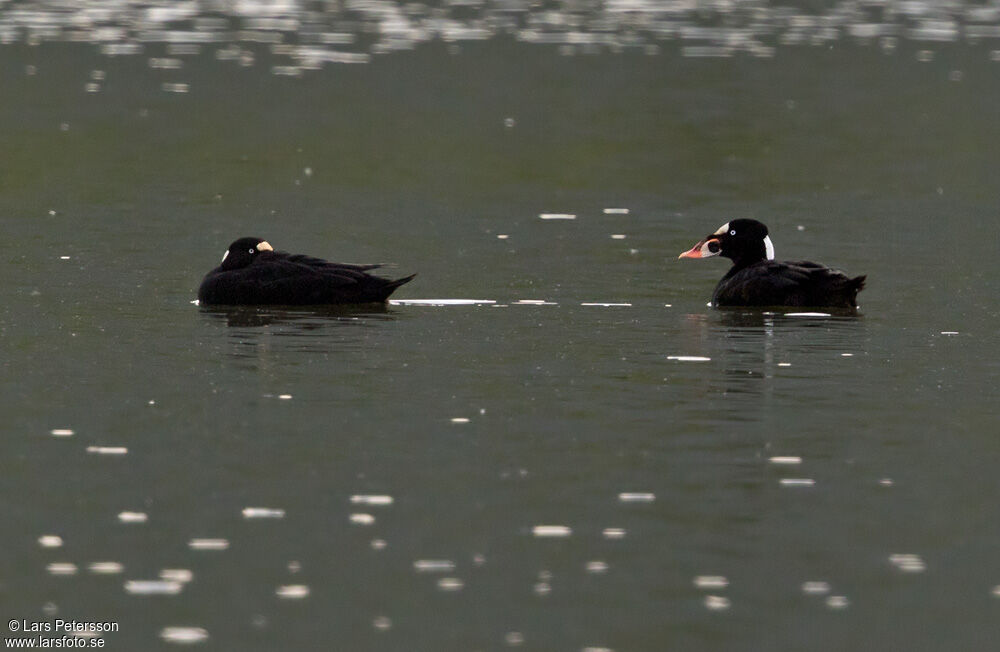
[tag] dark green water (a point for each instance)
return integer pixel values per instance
(114, 203)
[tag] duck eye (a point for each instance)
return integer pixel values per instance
(251, 251)
(733, 232)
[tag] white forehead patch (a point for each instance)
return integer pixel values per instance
(768, 247)
(224, 256)
(722, 229)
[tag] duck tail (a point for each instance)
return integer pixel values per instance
(391, 286)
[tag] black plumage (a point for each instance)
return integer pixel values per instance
(756, 279)
(252, 273)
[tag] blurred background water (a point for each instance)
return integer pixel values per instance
(618, 468)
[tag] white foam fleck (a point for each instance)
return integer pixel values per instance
(847, 355)
(613, 533)
(785, 459)
(551, 531)
(175, 87)
(837, 602)
(105, 568)
(502, 236)
(378, 544)
(263, 512)
(557, 216)
(815, 587)
(996, 591)
(616, 211)
(107, 450)
(133, 517)
(784, 364)
(50, 541)
(433, 565)
(381, 623)
(807, 314)
(439, 302)
(64, 257)
(362, 519)
(716, 602)
(618, 236)
(61, 568)
(153, 587)
(208, 544)
(711, 582)
(797, 482)
(371, 499)
(183, 635)
(181, 575)
(606, 305)
(535, 302)
(285, 397)
(596, 567)
(949, 332)
(513, 638)
(688, 358)
(636, 497)
(460, 420)
(450, 584)
(292, 591)
(886, 482)
(61, 432)
(591, 648)
(908, 563)
(542, 588)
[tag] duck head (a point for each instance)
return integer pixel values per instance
(743, 241)
(242, 252)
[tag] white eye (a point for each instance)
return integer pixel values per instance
(251, 251)
(733, 232)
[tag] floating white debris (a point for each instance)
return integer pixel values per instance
(606, 305)
(949, 332)
(182, 575)
(513, 638)
(183, 635)
(50, 541)
(175, 88)
(797, 482)
(460, 420)
(263, 512)
(996, 591)
(596, 567)
(785, 459)
(800, 227)
(591, 648)
(439, 302)
(847, 355)
(886, 482)
(133, 517)
(668, 305)
(837, 602)
(362, 519)
(107, 450)
(61, 432)
(61, 568)
(688, 358)
(618, 236)
(153, 587)
(908, 563)
(716, 602)
(807, 314)
(636, 497)
(553, 531)
(285, 397)
(378, 544)
(292, 591)
(616, 211)
(542, 588)
(502, 236)
(208, 544)
(613, 533)
(371, 499)
(105, 568)
(535, 302)
(294, 566)
(381, 623)
(509, 123)
(711, 582)
(557, 216)
(433, 565)
(784, 364)
(63, 257)
(815, 588)
(450, 584)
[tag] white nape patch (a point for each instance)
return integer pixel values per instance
(722, 229)
(769, 247)
(224, 256)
